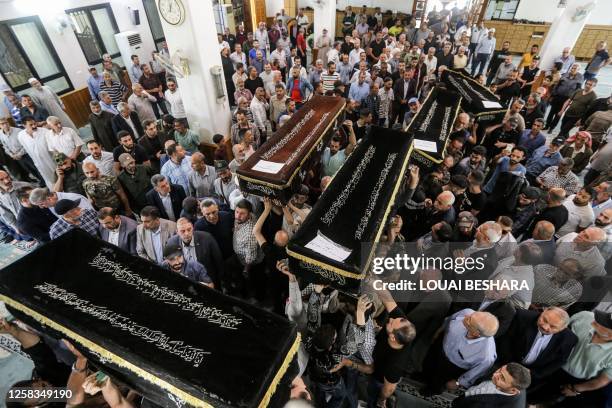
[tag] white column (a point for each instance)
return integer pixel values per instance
(325, 17)
(196, 38)
(564, 30)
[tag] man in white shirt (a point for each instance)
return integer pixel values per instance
(9, 137)
(601, 201)
(261, 35)
(580, 212)
(44, 198)
(259, 108)
(63, 139)
(238, 56)
(34, 142)
(280, 55)
(302, 19)
(173, 96)
(355, 52)
(103, 160)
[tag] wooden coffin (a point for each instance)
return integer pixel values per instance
(279, 166)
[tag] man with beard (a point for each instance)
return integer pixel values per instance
(219, 224)
(560, 176)
(103, 160)
(135, 180)
(498, 57)
(554, 212)
(602, 200)
(175, 262)
(580, 212)
(153, 143)
(333, 157)
(296, 210)
(224, 183)
(127, 145)
(604, 221)
(104, 191)
(510, 165)
(477, 160)
(70, 176)
(200, 247)
(525, 210)
(533, 139)
(117, 229)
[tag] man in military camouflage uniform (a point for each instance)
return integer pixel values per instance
(104, 191)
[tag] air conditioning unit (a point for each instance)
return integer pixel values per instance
(130, 43)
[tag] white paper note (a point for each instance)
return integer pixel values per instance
(328, 248)
(268, 167)
(425, 145)
(491, 104)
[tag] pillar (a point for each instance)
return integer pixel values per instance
(565, 30)
(196, 38)
(325, 17)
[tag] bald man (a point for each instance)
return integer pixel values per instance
(104, 191)
(202, 178)
(583, 247)
(543, 236)
(464, 354)
(604, 221)
(541, 341)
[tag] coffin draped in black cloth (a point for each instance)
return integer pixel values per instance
(352, 211)
(170, 338)
(432, 126)
(477, 99)
(279, 166)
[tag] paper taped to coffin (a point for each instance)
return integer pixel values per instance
(432, 126)
(171, 339)
(279, 166)
(476, 98)
(338, 239)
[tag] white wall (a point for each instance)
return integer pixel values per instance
(65, 43)
(540, 10)
(404, 6)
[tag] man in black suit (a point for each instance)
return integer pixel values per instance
(167, 198)
(540, 341)
(505, 389)
(117, 229)
(199, 246)
(497, 303)
(403, 89)
(127, 120)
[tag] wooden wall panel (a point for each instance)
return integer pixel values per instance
(77, 106)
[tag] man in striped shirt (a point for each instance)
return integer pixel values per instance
(328, 78)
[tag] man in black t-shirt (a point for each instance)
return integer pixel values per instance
(127, 145)
(376, 48)
(474, 199)
(391, 352)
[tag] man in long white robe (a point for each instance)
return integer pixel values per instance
(45, 97)
(34, 141)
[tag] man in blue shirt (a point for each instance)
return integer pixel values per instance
(359, 90)
(533, 138)
(93, 83)
(542, 158)
(511, 164)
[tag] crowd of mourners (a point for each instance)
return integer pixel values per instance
(531, 194)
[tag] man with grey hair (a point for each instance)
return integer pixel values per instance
(100, 121)
(106, 102)
(463, 354)
(541, 341)
(62, 139)
(560, 176)
(583, 247)
(43, 198)
(127, 120)
(140, 102)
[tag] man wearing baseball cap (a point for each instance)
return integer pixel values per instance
(413, 108)
(72, 216)
(588, 370)
(224, 183)
(176, 262)
(542, 158)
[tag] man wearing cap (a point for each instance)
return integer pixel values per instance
(533, 139)
(93, 83)
(413, 109)
(581, 380)
(70, 175)
(176, 262)
(34, 141)
(117, 229)
(104, 191)
(542, 158)
(72, 216)
(560, 176)
(526, 208)
(135, 180)
(224, 183)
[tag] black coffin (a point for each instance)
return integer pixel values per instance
(351, 214)
(171, 339)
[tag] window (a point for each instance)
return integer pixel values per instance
(501, 9)
(95, 28)
(26, 52)
(154, 22)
